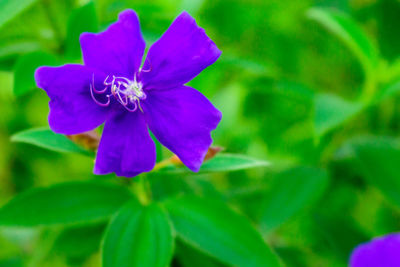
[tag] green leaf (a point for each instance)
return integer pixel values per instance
(388, 91)
(45, 138)
(67, 203)
(138, 236)
(213, 228)
(11, 8)
(83, 19)
(25, 67)
(187, 256)
(18, 48)
(12, 262)
(192, 6)
(331, 111)
(379, 161)
(290, 192)
(223, 162)
(159, 148)
(71, 238)
(349, 33)
(250, 66)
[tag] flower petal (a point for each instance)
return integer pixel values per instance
(382, 251)
(179, 55)
(118, 50)
(182, 119)
(72, 109)
(126, 147)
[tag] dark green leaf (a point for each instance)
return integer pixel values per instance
(11, 262)
(83, 19)
(11, 8)
(188, 256)
(71, 239)
(349, 33)
(211, 227)
(379, 162)
(224, 162)
(138, 236)
(45, 138)
(25, 67)
(331, 111)
(291, 191)
(68, 203)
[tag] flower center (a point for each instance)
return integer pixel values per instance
(128, 93)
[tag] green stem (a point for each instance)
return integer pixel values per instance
(142, 190)
(369, 88)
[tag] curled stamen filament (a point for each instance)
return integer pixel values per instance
(150, 69)
(92, 89)
(128, 93)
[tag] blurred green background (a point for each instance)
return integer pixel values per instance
(310, 86)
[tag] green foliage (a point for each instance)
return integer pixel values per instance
(68, 203)
(10, 9)
(139, 236)
(215, 229)
(349, 33)
(379, 160)
(310, 127)
(223, 162)
(45, 138)
(71, 238)
(290, 192)
(81, 20)
(187, 256)
(332, 111)
(25, 67)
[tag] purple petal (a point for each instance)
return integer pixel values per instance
(179, 55)
(382, 251)
(72, 109)
(118, 50)
(182, 119)
(126, 147)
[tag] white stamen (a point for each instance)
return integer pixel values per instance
(127, 92)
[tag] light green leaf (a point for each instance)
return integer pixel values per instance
(45, 138)
(251, 66)
(213, 228)
(379, 162)
(192, 6)
(290, 192)
(138, 236)
(68, 203)
(349, 33)
(331, 111)
(11, 8)
(223, 162)
(25, 67)
(83, 19)
(18, 48)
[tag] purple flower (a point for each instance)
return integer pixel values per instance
(111, 87)
(380, 252)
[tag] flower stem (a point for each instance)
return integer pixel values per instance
(369, 88)
(142, 189)
(162, 164)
